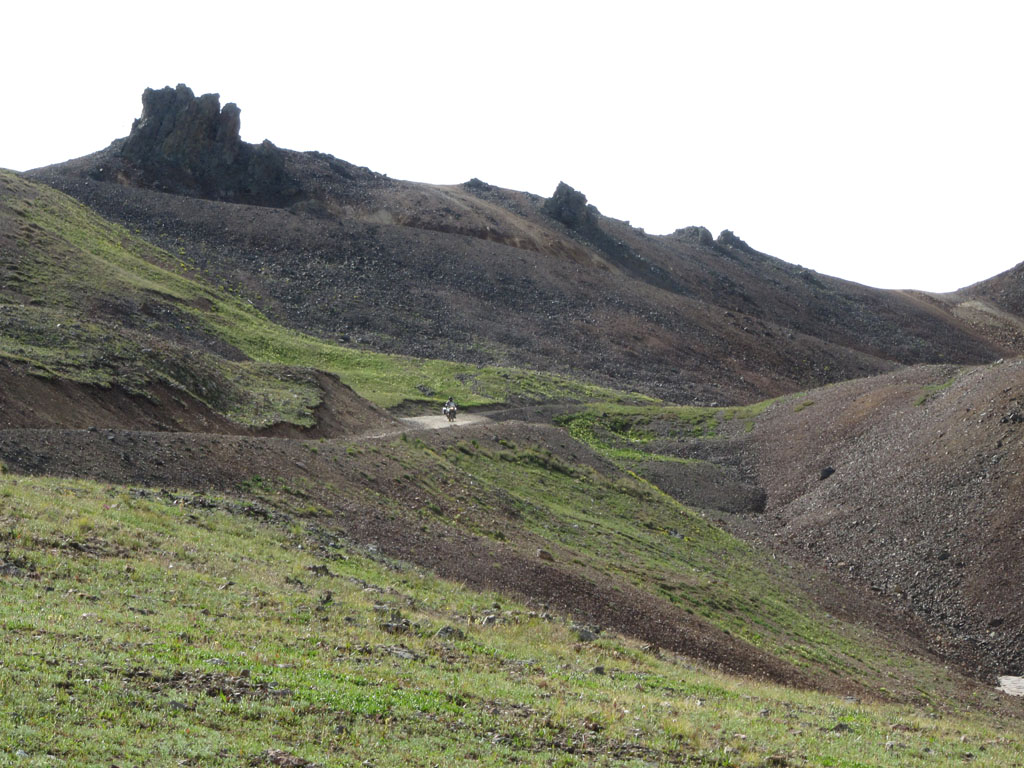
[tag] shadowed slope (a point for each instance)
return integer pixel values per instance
(910, 483)
(476, 273)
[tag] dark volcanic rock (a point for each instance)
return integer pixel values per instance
(189, 145)
(727, 238)
(696, 235)
(552, 284)
(568, 206)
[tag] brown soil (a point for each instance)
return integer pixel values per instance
(30, 401)
(116, 443)
(922, 506)
(359, 260)
(940, 591)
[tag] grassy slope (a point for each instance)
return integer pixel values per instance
(148, 628)
(84, 299)
(627, 529)
(118, 622)
(621, 432)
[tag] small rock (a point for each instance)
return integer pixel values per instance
(400, 651)
(584, 634)
(395, 627)
(450, 633)
(286, 759)
(543, 554)
(696, 235)
(826, 473)
(568, 206)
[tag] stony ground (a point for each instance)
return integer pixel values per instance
(892, 491)
(475, 273)
(908, 485)
(899, 493)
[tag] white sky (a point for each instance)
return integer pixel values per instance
(880, 142)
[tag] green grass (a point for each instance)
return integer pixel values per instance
(86, 300)
(626, 528)
(625, 432)
(157, 628)
(931, 390)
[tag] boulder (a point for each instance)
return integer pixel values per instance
(568, 206)
(695, 235)
(189, 145)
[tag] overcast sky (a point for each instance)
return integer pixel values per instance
(881, 142)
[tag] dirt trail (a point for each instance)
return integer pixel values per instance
(1011, 685)
(433, 421)
(440, 421)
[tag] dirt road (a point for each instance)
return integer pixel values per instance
(440, 421)
(433, 421)
(1011, 685)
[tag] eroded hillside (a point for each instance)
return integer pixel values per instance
(910, 483)
(480, 274)
(294, 546)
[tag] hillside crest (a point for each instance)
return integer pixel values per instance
(548, 283)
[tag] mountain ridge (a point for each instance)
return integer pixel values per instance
(494, 276)
(212, 355)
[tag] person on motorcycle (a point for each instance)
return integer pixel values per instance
(449, 405)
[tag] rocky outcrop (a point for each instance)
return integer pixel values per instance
(696, 235)
(728, 239)
(189, 145)
(568, 206)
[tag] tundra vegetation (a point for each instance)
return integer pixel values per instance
(157, 627)
(153, 625)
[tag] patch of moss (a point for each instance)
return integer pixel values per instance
(87, 300)
(931, 390)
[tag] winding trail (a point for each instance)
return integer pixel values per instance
(440, 421)
(433, 421)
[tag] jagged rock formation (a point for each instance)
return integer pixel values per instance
(550, 283)
(728, 239)
(695, 235)
(188, 145)
(568, 206)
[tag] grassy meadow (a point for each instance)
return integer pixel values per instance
(167, 627)
(149, 627)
